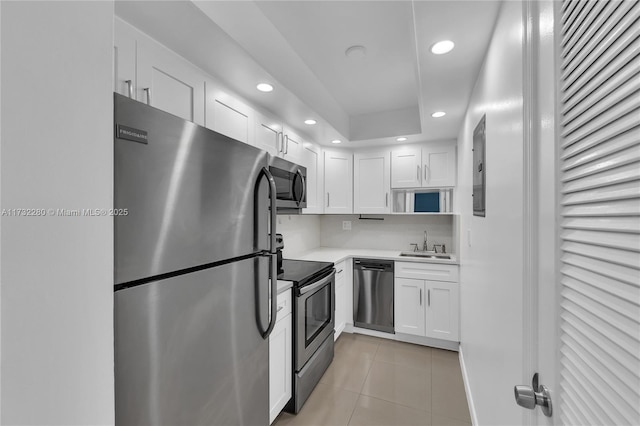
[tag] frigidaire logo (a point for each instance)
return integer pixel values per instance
(131, 134)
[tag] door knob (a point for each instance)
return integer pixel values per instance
(530, 396)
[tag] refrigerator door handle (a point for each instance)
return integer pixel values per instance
(273, 294)
(273, 261)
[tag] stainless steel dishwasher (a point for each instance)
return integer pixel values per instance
(373, 294)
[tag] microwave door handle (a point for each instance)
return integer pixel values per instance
(304, 186)
(273, 260)
(322, 282)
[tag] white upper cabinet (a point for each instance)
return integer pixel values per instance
(267, 133)
(168, 82)
(338, 182)
(371, 182)
(439, 165)
(291, 145)
(277, 139)
(124, 59)
(311, 158)
(429, 166)
(406, 168)
(227, 115)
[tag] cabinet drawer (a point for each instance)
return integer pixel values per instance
(284, 305)
(427, 271)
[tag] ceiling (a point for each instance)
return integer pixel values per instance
(299, 47)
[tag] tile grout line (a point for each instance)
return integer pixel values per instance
(363, 382)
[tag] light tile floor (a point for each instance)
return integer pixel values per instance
(382, 382)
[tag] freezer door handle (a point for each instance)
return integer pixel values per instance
(273, 259)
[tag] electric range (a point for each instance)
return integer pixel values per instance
(313, 324)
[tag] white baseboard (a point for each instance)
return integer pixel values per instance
(467, 389)
(338, 332)
(400, 337)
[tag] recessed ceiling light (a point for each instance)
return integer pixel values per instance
(401, 139)
(438, 114)
(441, 47)
(356, 52)
(264, 87)
(310, 122)
(336, 141)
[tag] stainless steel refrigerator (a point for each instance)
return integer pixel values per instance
(193, 259)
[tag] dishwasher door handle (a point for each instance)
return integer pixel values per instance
(364, 268)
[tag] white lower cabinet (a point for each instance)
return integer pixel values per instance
(341, 298)
(424, 306)
(280, 357)
(409, 306)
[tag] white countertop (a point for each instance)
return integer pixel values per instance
(335, 255)
(284, 286)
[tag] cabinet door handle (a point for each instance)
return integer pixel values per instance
(429, 297)
(420, 296)
(339, 272)
(425, 172)
(129, 88)
(148, 92)
(327, 199)
(386, 199)
(286, 144)
(280, 308)
(418, 173)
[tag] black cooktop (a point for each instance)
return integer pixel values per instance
(303, 272)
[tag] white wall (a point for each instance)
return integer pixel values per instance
(395, 232)
(300, 232)
(0, 216)
(57, 272)
(492, 258)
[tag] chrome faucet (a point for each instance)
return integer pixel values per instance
(425, 246)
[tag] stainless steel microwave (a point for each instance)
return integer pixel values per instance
(291, 185)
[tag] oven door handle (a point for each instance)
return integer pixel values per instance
(322, 282)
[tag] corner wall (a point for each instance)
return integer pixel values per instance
(491, 249)
(57, 272)
(301, 233)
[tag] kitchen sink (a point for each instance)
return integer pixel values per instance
(426, 255)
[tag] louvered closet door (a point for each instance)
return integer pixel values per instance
(599, 359)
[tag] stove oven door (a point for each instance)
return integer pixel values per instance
(315, 317)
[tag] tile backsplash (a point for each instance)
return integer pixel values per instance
(395, 232)
(301, 233)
